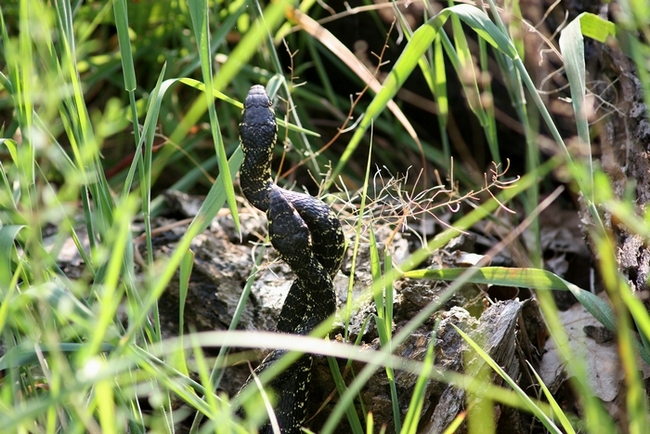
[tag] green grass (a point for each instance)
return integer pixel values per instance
(104, 107)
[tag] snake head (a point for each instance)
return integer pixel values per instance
(258, 128)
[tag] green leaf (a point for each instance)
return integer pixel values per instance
(126, 54)
(8, 236)
(595, 27)
(222, 96)
(27, 353)
(414, 413)
(527, 278)
(351, 412)
(573, 50)
(557, 410)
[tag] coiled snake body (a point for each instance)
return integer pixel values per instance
(307, 236)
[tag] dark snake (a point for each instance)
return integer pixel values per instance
(308, 237)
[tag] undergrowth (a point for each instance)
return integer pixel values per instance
(104, 108)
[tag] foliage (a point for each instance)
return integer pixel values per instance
(104, 107)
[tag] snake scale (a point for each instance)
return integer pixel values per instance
(308, 237)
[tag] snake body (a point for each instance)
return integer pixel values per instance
(308, 237)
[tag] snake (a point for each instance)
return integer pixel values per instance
(308, 237)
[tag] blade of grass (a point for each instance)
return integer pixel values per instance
(384, 319)
(466, 70)
(440, 93)
(531, 406)
(8, 235)
(572, 48)
(557, 410)
(526, 278)
(414, 412)
(355, 248)
(199, 14)
(351, 412)
(486, 100)
(636, 401)
(281, 122)
(185, 273)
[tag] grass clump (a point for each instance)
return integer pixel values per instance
(105, 106)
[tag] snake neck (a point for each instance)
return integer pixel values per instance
(255, 189)
(257, 133)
